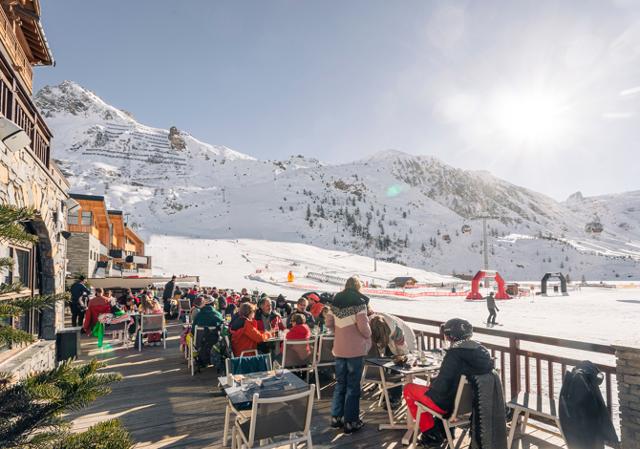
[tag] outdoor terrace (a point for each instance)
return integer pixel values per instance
(163, 406)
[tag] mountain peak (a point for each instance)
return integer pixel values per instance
(70, 98)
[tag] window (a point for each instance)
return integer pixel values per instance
(72, 217)
(87, 218)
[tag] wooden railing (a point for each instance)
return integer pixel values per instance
(511, 357)
(18, 57)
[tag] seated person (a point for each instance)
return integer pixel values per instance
(198, 304)
(301, 307)
(244, 330)
(321, 321)
(97, 305)
(208, 314)
(282, 306)
(267, 318)
(464, 356)
(301, 332)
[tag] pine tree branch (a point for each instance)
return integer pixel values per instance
(33, 408)
(11, 336)
(6, 262)
(11, 219)
(14, 287)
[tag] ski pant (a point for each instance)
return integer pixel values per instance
(492, 316)
(77, 316)
(416, 393)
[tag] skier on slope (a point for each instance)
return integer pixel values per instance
(491, 305)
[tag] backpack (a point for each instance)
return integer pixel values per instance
(210, 336)
(219, 353)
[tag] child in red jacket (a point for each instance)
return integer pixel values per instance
(298, 355)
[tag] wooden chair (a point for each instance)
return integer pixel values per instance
(528, 404)
(461, 415)
(278, 420)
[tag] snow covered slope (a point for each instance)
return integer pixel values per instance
(399, 207)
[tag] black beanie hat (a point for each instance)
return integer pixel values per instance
(457, 329)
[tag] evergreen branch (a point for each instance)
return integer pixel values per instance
(11, 219)
(14, 287)
(11, 336)
(6, 262)
(39, 302)
(105, 435)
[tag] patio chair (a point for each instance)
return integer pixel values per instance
(184, 307)
(150, 324)
(324, 358)
(242, 365)
(119, 332)
(299, 355)
(195, 343)
(276, 420)
(462, 408)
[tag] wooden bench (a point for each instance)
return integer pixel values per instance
(529, 404)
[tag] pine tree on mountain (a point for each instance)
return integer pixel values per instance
(308, 213)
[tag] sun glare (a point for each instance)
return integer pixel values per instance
(528, 117)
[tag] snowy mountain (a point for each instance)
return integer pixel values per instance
(414, 210)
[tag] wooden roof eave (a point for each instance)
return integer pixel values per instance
(31, 26)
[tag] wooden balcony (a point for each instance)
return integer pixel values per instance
(19, 59)
(86, 229)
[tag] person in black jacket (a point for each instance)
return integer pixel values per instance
(168, 292)
(464, 356)
(301, 307)
(282, 306)
(79, 297)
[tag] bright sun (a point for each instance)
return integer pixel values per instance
(527, 117)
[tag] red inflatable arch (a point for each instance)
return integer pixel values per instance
(475, 284)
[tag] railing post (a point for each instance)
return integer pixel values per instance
(514, 366)
(628, 378)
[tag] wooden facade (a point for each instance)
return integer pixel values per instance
(91, 217)
(23, 45)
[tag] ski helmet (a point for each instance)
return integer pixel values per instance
(457, 329)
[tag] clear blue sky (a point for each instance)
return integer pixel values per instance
(541, 93)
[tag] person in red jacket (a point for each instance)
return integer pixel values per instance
(97, 305)
(301, 332)
(244, 330)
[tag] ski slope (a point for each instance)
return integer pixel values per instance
(599, 315)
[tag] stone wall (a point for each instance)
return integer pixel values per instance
(628, 376)
(25, 181)
(80, 246)
(37, 357)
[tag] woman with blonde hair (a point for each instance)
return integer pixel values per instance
(349, 321)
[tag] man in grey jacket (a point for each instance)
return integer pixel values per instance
(491, 305)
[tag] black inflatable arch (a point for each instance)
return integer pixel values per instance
(563, 283)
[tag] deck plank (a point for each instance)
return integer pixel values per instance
(163, 406)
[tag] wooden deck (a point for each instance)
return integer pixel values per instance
(163, 406)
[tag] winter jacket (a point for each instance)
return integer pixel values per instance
(349, 321)
(299, 332)
(273, 320)
(316, 309)
(97, 305)
(79, 293)
(464, 357)
(583, 414)
(245, 335)
(207, 316)
(169, 290)
(491, 303)
(311, 322)
(402, 340)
